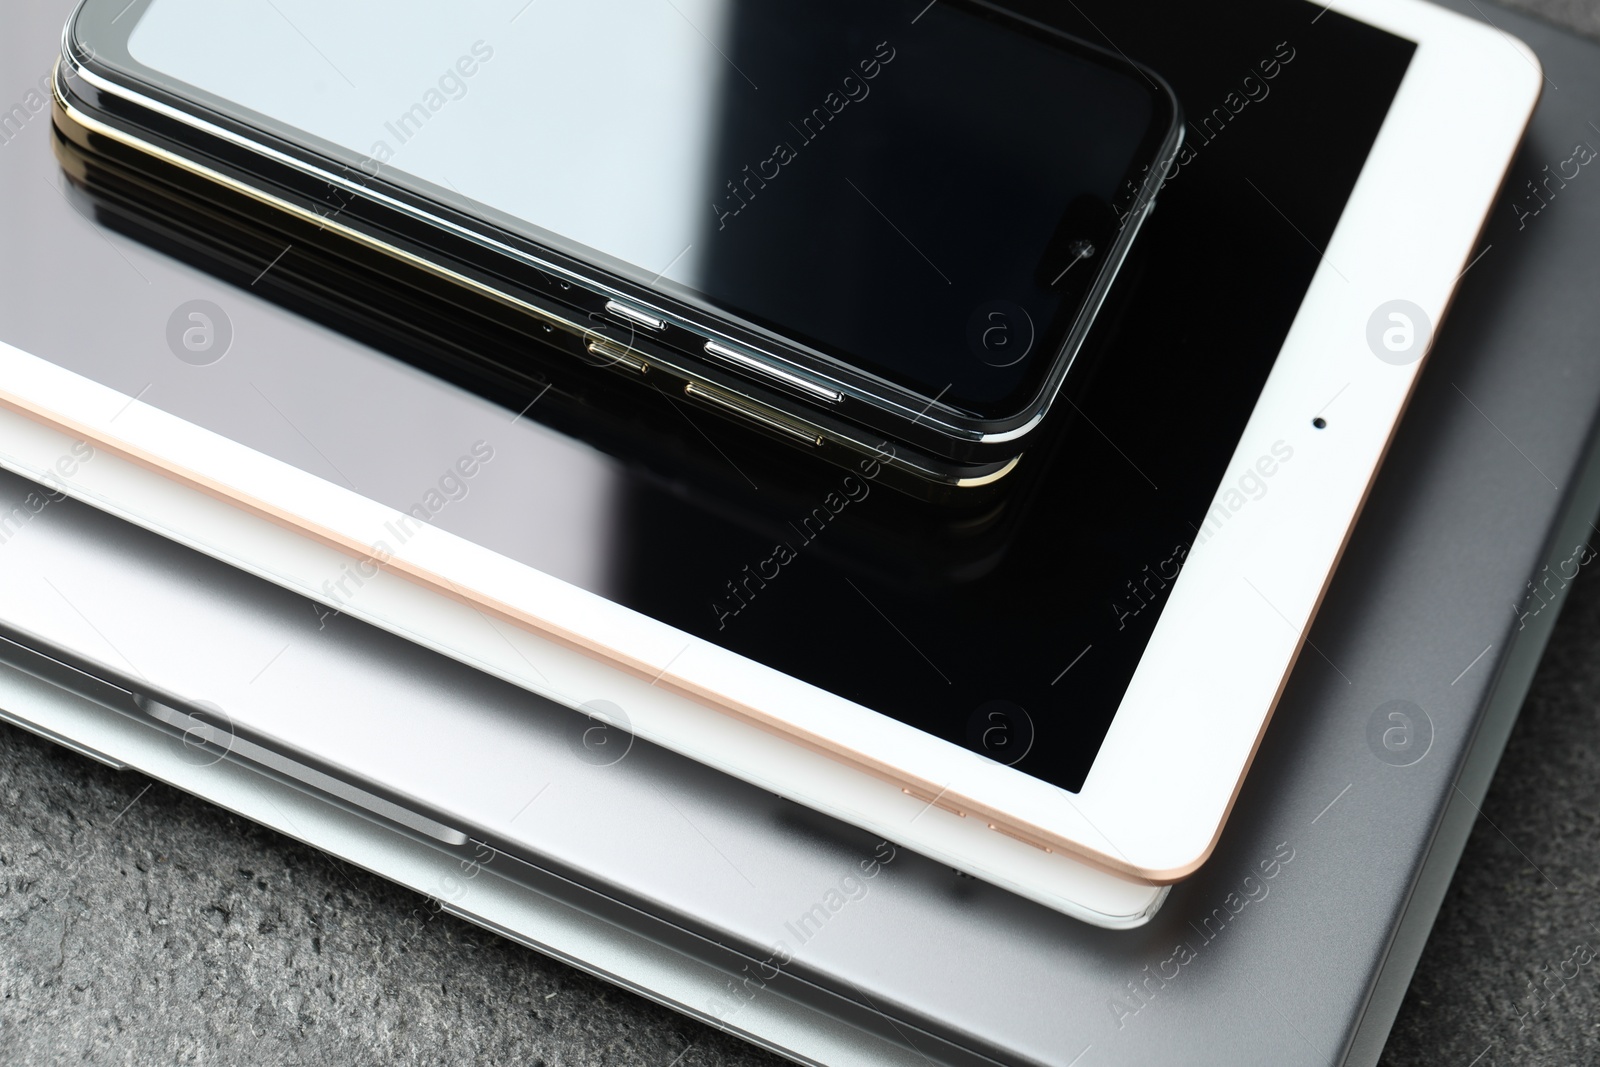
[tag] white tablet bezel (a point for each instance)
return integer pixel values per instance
(1170, 766)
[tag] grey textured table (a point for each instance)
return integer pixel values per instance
(190, 936)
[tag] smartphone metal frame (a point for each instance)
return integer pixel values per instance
(733, 362)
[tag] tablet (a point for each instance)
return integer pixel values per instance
(1088, 687)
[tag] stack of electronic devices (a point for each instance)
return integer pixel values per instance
(970, 523)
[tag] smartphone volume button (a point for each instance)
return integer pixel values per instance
(766, 369)
(634, 316)
(612, 354)
(750, 412)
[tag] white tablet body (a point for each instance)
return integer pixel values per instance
(1183, 737)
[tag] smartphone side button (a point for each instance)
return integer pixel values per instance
(633, 316)
(765, 418)
(613, 354)
(747, 361)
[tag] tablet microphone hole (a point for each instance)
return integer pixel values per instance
(1320, 423)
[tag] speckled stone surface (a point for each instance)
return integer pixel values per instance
(141, 926)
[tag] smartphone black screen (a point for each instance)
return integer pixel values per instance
(921, 191)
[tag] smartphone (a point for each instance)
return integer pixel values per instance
(876, 229)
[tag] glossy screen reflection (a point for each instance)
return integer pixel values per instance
(854, 175)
